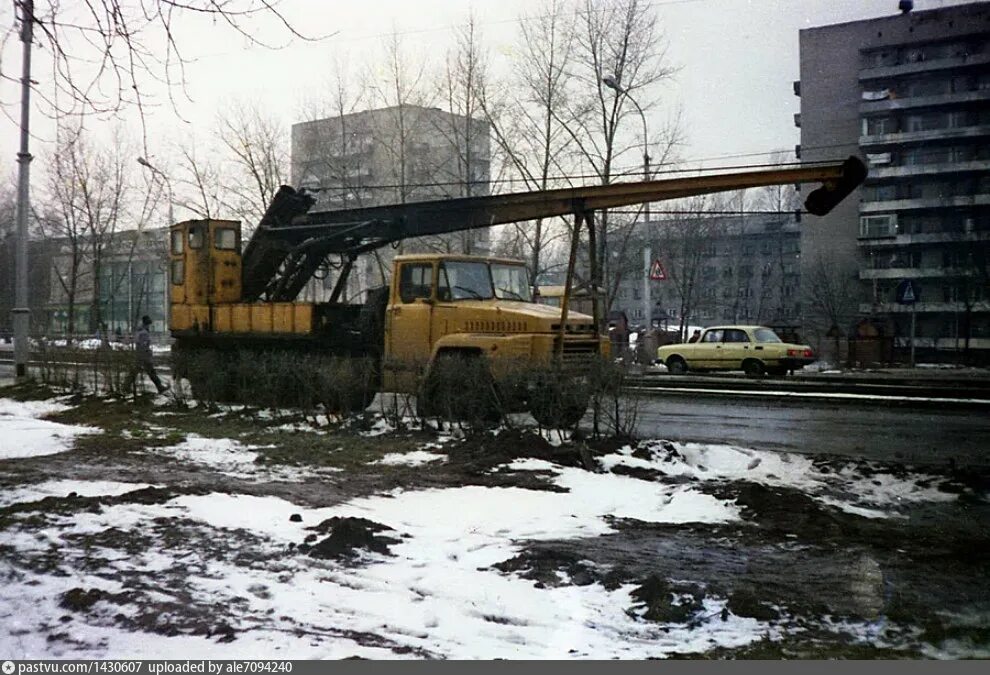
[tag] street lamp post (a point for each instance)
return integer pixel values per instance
(168, 184)
(168, 242)
(611, 83)
(22, 310)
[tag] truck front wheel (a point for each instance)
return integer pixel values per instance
(459, 387)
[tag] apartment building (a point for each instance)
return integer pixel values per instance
(735, 269)
(394, 155)
(910, 94)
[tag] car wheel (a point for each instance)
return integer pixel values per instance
(754, 368)
(677, 366)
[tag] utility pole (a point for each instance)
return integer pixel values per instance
(611, 83)
(22, 311)
(168, 238)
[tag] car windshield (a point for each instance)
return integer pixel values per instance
(765, 335)
(511, 282)
(465, 281)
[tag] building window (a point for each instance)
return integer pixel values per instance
(879, 125)
(878, 226)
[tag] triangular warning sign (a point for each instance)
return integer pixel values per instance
(908, 295)
(657, 272)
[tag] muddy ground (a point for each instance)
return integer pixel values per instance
(825, 582)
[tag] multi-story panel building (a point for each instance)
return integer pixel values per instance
(129, 284)
(731, 269)
(910, 94)
(390, 156)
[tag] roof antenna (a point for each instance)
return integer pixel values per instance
(905, 6)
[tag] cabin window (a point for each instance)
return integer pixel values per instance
(176, 242)
(178, 271)
(415, 281)
(195, 237)
(226, 238)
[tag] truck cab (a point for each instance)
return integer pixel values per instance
(472, 306)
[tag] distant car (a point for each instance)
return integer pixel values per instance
(756, 350)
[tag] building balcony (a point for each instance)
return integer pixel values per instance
(924, 238)
(920, 307)
(879, 172)
(905, 137)
(885, 72)
(924, 203)
(908, 103)
(914, 273)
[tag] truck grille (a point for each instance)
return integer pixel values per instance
(579, 350)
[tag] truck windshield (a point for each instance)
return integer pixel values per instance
(465, 281)
(511, 282)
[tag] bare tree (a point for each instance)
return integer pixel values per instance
(106, 55)
(621, 40)
(328, 146)
(399, 134)
(527, 131)
(200, 182)
(64, 222)
(830, 292)
(256, 147)
(687, 247)
(465, 171)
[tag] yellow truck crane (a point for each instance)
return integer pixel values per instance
(438, 308)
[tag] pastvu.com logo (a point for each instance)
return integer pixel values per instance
(7, 668)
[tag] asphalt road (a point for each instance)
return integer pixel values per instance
(908, 434)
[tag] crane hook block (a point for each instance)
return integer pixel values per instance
(825, 198)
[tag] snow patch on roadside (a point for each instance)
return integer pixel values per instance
(864, 493)
(25, 435)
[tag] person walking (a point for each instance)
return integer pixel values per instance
(142, 356)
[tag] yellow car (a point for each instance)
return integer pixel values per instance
(754, 349)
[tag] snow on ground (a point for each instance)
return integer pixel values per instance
(234, 459)
(437, 594)
(414, 458)
(849, 488)
(63, 488)
(24, 434)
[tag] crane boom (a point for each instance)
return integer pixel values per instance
(290, 242)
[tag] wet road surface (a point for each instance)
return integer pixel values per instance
(910, 434)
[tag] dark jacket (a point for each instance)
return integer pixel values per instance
(142, 343)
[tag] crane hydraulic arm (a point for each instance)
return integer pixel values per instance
(290, 243)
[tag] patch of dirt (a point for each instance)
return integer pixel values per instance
(665, 601)
(550, 567)
(480, 453)
(744, 602)
(347, 538)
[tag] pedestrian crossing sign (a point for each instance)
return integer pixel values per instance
(657, 272)
(908, 292)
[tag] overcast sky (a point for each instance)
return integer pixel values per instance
(738, 59)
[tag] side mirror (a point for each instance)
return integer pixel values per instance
(828, 196)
